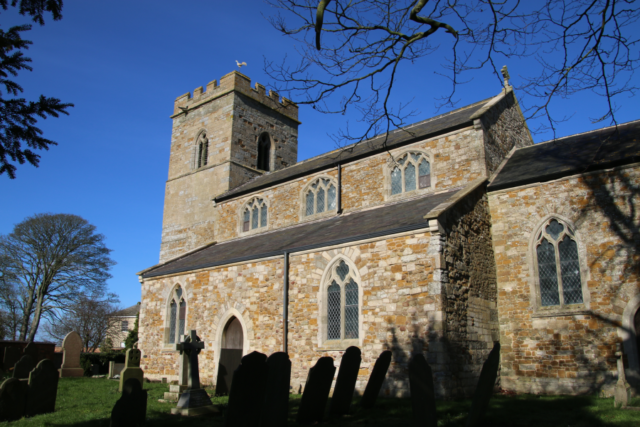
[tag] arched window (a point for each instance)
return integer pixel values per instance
(124, 326)
(177, 315)
(320, 197)
(255, 215)
(202, 150)
(342, 303)
(411, 171)
(558, 265)
(264, 152)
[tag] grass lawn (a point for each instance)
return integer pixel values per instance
(88, 402)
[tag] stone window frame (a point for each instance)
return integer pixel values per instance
(536, 303)
(196, 151)
(303, 198)
(173, 296)
(272, 150)
(124, 326)
(325, 344)
(391, 164)
(249, 202)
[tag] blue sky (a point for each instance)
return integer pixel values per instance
(122, 63)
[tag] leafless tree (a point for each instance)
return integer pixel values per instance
(89, 317)
(352, 53)
(52, 260)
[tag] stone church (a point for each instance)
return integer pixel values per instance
(444, 238)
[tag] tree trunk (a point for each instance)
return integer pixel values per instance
(38, 313)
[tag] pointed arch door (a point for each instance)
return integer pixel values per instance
(230, 355)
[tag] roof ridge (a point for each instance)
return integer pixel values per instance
(579, 134)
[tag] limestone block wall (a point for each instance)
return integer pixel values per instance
(570, 350)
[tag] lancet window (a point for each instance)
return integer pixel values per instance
(264, 152)
(320, 197)
(202, 150)
(255, 215)
(411, 171)
(177, 315)
(342, 304)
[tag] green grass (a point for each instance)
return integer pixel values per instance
(84, 402)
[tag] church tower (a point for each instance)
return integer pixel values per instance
(221, 138)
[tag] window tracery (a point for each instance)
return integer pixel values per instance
(255, 215)
(320, 197)
(177, 315)
(343, 307)
(411, 171)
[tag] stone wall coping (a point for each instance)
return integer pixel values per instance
(442, 208)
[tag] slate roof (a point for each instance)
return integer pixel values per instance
(128, 312)
(380, 221)
(585, 152)
(443, 123)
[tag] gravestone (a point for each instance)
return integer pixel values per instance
(195, 400)
(32, 351)
(316, 391)
(275, 409)
(247, 391)
(376, 379)
(43, 389)
(13, 396)
(71, 347)
(485, 386)
(622, 392)
(175, 390)
(11, 357)
(131, 409)
(423, 400)
(23, 367)
(346, 382)
(131, 368)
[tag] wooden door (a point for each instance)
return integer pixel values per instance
(230, 355)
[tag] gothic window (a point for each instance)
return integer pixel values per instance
(320, 197)
(411, 171)
(202, 150)
(254, 215)
(177, 315)
(124, 326)
(556, 254)
(342, 304)
(264, 152)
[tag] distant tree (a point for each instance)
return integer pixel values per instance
(10, 307)
(352, 53)
(132, 338)
(89, 317)
(53, 260)
(18, 117)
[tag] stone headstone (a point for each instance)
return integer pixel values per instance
(485, 386)
(131, 409)
(622, 392)
(423, 400)
(23, 367)
(71, 347)
(376, 379)
(131, 368)
(275, 409)
(246, 396)
(11, 357)
(13, 397)
(346, 382)
(32, 350)
(316, 391)
(43, 389)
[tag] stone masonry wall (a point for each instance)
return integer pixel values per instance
(566, 352)
(471, 325)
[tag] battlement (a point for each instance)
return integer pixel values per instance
(238, 82)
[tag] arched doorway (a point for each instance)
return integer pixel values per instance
(230, 355)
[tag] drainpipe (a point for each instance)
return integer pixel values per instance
(339, 211)
(285, 302)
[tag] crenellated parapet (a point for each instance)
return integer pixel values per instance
(238, 82)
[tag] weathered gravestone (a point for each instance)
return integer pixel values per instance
(423, 400)
(376, 379)
(131, 368)
(316, 391)
(247, 391)
(32, 351)
(11, 357)
(195, 400)
(13, 396)
(175, 390)
(71, 347)
(131, 409)
(622, 392)
(485, 386)
(346, 382)
(23, 367)
(43, 389)
(275, 409)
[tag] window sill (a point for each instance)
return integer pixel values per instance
(338, 345)
(305, 218)
(253, 231)
(562, 311)
(410, 194)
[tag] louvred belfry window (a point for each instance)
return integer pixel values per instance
(255, 215)
(342, 304)
(411, 171)
(177, 315)
(558, 265)
(320, 197)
